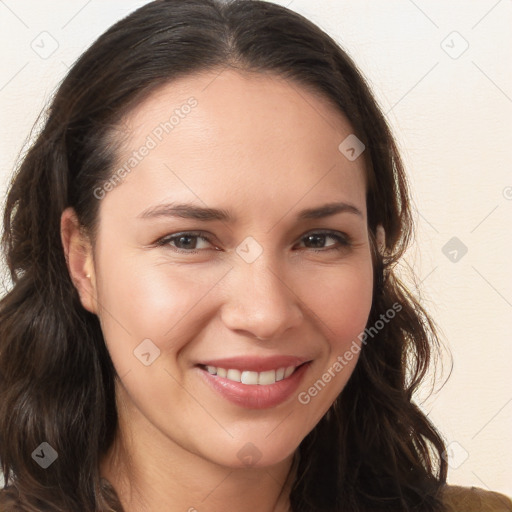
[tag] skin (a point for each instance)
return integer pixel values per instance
(264, 149)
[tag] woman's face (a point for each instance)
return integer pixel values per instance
(250, 281)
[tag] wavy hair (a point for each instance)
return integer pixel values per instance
(374, 450)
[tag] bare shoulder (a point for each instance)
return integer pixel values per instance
(474, 499)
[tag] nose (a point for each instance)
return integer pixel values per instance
(260, 303)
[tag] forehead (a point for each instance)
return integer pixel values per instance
(220, 133)
(250, 99)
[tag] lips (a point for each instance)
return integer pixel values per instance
(255, 383)
(252, 378)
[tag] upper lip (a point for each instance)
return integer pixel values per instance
(255, 364)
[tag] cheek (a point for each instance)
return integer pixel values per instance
(342, 299)
(342, 302)
(159, 301)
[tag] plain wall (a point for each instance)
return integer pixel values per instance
(450, 108)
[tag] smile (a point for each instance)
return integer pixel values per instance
(253, 378)
(254, 383)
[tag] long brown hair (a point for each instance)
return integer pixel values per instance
(374, 450)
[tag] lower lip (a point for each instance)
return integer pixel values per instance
(256, 396)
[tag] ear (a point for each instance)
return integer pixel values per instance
(79, 258)
(381, 239)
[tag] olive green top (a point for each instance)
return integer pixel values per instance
(474, 499)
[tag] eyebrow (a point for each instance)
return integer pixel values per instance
(192, 211)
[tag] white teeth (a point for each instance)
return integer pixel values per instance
(249, 377)
(252, 378)
(289, 371)
(268, 377)
(235, 375)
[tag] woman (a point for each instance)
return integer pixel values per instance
(204, 313)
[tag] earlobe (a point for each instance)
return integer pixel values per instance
(78, 254)
(381, 239)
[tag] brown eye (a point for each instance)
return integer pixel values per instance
(183, 242)
(317, 240)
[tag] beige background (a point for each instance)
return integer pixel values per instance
(450, 108)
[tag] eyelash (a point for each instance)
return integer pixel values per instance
(344, 240)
